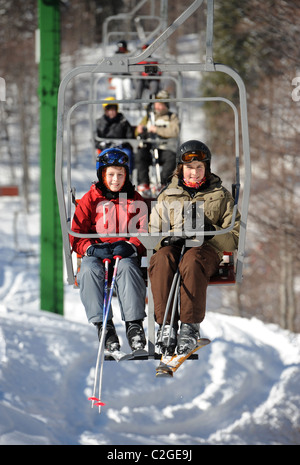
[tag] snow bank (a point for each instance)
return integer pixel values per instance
(244, 389)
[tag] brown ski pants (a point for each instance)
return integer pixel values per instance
(197, 265)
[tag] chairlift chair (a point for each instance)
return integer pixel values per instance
(232, 267)
(137, 21)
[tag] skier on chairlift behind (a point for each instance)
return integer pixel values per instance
(123, 85)
(152, 85)
(162, 126)
(114, 125)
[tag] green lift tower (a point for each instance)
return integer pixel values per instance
(51, 264)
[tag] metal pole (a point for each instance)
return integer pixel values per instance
(51, 262)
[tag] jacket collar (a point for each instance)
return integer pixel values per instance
(175, 187)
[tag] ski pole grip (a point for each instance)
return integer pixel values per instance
(117, 256)
(106, 260)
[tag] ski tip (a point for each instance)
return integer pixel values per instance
(164, 374)
(203, 341)
(164, 371)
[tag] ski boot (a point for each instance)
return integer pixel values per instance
(188, 336)
(135, 334)
(111, 338)
(162, 339)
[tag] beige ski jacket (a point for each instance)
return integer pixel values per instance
(177, 210)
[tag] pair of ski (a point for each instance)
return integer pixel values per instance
(169, 364)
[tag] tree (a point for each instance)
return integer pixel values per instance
(257, 39)
(20, 72)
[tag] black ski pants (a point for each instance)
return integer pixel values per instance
(143, 159)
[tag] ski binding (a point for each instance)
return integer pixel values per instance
(120, 356)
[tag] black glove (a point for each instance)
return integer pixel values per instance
(101, 251)
(123, 249)
(173, 240)
(209, 227)
(144, 134)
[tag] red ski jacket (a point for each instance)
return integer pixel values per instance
(96, 214)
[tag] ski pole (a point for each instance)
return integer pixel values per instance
(117, 259)
(102, 340)
(173, 292)
(106, 265)
(175, 300)
(157, 167)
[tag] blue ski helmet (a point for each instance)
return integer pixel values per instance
(111, 157)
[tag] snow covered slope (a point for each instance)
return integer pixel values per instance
(244, 389)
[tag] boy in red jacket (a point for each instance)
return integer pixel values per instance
(112, 206)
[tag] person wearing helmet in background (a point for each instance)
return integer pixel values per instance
(123, 86)
(113, 125)
(103, 210)
(163, 126)
(191, 183)
(122, 47)
(151, 84)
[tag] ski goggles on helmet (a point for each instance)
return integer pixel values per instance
(193, 156)
(110, 157)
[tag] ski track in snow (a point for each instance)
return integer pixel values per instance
(244, 389)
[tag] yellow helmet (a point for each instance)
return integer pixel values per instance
(110, 102)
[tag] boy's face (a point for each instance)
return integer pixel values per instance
(194, 171)
(115, 177)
